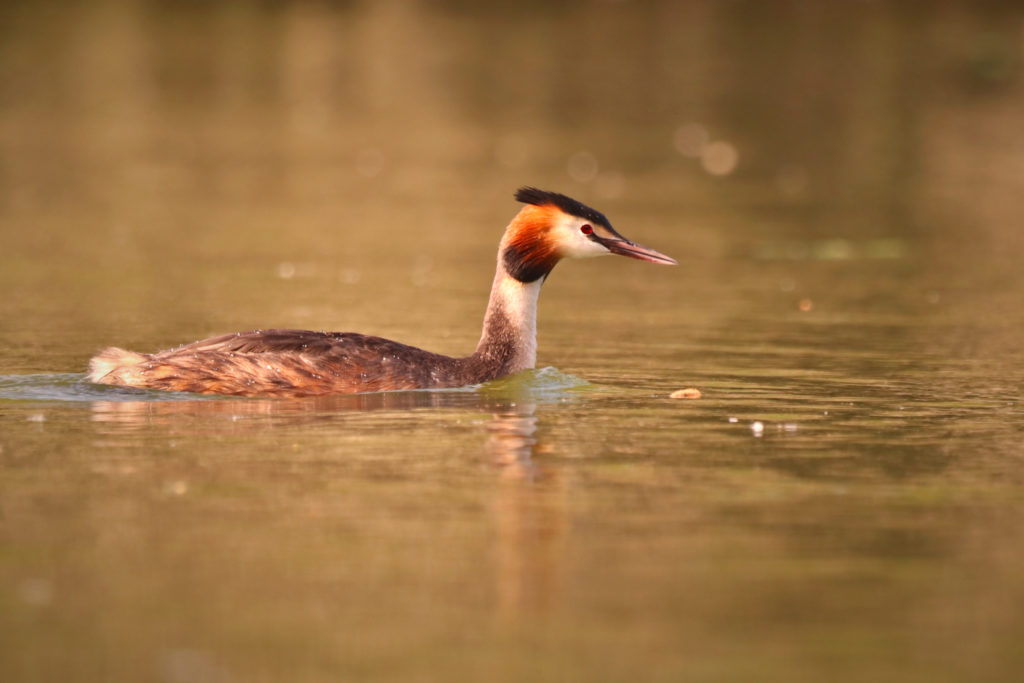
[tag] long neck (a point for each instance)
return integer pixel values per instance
(509, 340)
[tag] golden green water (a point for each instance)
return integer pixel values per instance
(840, 182)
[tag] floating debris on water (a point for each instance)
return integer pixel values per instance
(176, 488)
(689, 392)
(757, 428)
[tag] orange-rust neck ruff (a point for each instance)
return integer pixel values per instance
(292, 363)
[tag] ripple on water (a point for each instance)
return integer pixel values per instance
(543, 385)
(75, 387)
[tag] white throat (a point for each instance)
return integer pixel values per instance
(510, 326)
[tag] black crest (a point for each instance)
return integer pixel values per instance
(531, 195)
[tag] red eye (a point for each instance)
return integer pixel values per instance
(586, 229)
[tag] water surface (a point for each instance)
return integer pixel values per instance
(840, 184)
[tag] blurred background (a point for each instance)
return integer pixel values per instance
(172, 164)
(842, 183)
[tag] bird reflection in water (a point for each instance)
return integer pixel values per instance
(510, 430)
(511, 442)
(528, 512)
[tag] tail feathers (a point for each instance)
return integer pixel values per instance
(114, 366)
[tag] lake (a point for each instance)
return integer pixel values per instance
(841, 183)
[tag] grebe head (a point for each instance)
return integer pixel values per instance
(553, 226)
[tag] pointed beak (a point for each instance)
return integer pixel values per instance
(624, 247)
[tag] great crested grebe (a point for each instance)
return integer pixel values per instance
(304, 363)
